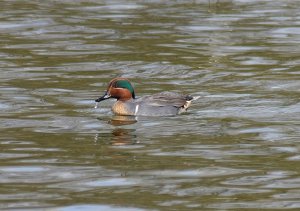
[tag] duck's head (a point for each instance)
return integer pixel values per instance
(119, 88)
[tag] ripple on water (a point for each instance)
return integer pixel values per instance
(23, 169)
(198, 173)
(98, 207)
(111, 182)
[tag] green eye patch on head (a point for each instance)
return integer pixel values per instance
(125, 85)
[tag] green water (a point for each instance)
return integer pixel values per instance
(237, 148)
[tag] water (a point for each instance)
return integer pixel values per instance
(237, 148)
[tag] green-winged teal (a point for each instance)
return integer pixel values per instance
(160, 104)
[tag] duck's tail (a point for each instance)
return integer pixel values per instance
(195, 98)
(188, 103)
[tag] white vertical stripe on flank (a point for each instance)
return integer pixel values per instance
(136, 109)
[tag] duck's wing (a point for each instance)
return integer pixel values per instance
(165, 99)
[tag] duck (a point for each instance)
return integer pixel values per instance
(160, 104)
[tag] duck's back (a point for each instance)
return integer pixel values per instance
(161, 104)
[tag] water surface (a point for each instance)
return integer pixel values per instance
(237, 148)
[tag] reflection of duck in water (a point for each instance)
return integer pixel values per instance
(160, 104)
(123, 137)
(122, 120)
(118, 137)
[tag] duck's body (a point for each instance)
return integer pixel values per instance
(160, 104)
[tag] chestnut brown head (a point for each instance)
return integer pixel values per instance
(119, 88)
